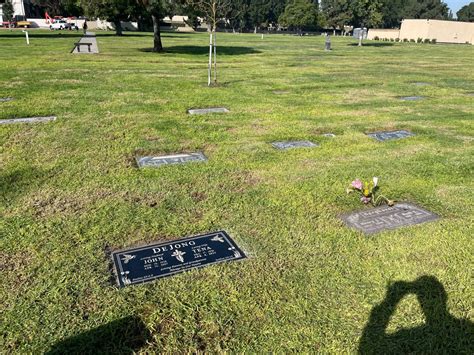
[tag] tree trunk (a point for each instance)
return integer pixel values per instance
(215, 60)
(157, 45)
(209, 68)
(118, 27)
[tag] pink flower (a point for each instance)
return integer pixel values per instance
(357, 184)
(365, 200)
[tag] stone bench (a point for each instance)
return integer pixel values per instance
(79, 44)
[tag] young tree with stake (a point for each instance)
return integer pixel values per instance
(213, 10)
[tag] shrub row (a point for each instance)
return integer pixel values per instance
(419, 40)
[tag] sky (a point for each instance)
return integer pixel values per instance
(455, 5)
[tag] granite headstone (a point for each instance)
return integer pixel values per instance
(28, 120)
(386, 218)
(412, 98)
(157, 161)
(385, 136)
(293, 144)
(154, 261)
(204, 111)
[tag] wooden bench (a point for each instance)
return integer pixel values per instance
(79, 44)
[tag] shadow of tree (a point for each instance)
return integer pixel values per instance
(123, 336)
(65, 34)
(442, 333)
(204, 50)
(365, 44)
(18, 182)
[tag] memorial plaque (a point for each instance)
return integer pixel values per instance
(204, 111)
(385, 136)
(154, 162)
(385, 218)
(28, 120)
(412, 98)
(154, 261)
(329, 135)
(281, 92)
(6, 99)
(420, 83)
(293, 144)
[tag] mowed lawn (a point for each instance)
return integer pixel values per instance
(71, 191)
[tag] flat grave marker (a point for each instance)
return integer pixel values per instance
(157, 161)
(28, 120)
(329, 135)
(412, 98)
(293, 144)
(387, 218)
(280, 92)
(6, 99)
(205, 111)
(420, 83)
(385, 136)
(143, 264)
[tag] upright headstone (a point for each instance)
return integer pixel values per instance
(327, 43)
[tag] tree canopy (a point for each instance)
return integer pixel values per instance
(466, 13)
(299, 14)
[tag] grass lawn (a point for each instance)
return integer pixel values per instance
(70, 191)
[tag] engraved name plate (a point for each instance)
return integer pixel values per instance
(386, 218)
(28, 120)
(293, 144)
(204, 111)
(385, 136)
(154, 162)
(154, 261)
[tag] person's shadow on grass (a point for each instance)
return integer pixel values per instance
(122, 336)
(442, 333)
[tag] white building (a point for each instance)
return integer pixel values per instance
(24, 8)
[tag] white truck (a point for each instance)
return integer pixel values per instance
(63, 25)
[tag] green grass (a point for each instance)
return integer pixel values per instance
(70, 189)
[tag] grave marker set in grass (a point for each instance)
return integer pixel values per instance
(153, 261)
(386, 217)
(157, 161)
(28, 120)
(293, 144)
(205, 111)
(6, 99)
(412, 98)
(389, 135)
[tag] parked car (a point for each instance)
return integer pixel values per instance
(63, 25)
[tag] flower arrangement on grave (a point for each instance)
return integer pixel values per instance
(367, 191)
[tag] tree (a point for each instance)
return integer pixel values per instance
(258, 11)
(366, 13)
(113, 11)
(299, 14)
(427, 9)
(466, 13)
(158, 9)
(336, 13)
(214, 11)
(8, 10)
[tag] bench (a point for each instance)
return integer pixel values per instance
(79, 44)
